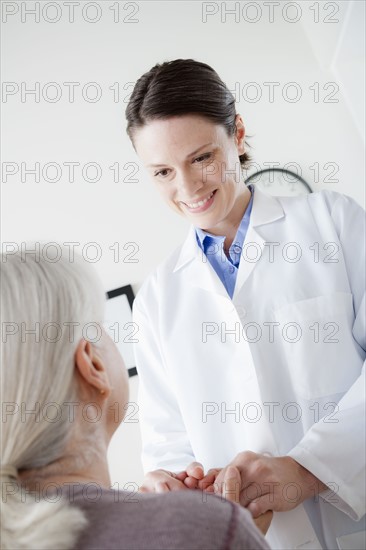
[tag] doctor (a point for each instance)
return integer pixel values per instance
(252, 334)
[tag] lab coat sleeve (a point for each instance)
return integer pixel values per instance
(335, 452)
(165, 443)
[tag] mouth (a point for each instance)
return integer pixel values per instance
(201, 205)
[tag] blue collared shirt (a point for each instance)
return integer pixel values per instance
(213, 247)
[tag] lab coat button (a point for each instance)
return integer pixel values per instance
(231, 269)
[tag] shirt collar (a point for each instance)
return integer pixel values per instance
(266, 210)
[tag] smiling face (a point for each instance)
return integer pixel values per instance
(195, 165)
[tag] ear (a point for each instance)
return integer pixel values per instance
(91, 368)
(240, 134)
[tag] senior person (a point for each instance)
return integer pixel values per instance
(249, 355)
(64, 389)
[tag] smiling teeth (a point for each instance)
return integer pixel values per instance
(200, 203)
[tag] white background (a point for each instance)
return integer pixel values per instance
(312, 51)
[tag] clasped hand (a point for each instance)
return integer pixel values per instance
(260, 483)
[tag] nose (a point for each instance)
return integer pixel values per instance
(188, 184)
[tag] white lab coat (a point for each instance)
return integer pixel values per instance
(279, 369)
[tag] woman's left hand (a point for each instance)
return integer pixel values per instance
(267, 483)
(232, 492)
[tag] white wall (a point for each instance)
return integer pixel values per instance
(309, 131)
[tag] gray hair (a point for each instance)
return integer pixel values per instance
(46, 308)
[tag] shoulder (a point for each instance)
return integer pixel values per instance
(347, 215)
(325, 208)
(184, 519)
(332, 201)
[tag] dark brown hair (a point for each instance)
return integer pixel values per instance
(182, 87)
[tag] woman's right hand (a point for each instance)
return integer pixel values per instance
(162, 481)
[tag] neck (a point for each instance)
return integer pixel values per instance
(230, 225)
(89, 466)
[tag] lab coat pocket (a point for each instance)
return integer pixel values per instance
(320, 352)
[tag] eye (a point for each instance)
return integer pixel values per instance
(163, 173)
(203, 157)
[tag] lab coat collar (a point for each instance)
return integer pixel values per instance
(266, 209)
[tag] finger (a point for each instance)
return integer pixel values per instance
(207, 481)
(181, 476)
(231, 484)
(170, 484)
(162, 487)
(191, 482)
(175, 485)
(264, 521)
(261, 505)
(219, 481)
(251, 492)
(195, 469)
(213, 472)
(209, 478)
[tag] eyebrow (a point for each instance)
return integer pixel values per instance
(188, 156)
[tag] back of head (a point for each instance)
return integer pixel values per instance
(46, 307)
